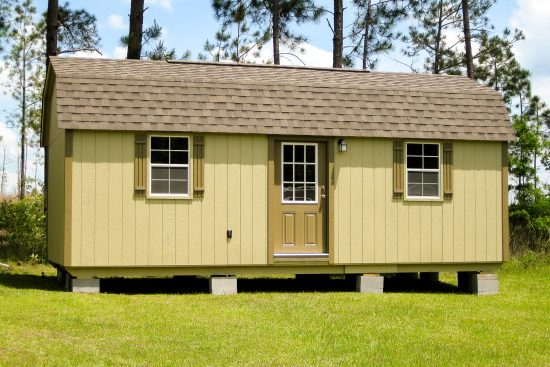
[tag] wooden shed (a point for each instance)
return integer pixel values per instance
(184, 168)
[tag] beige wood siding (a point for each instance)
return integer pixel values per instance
(112, 227)
(372, 227)
(56, 185)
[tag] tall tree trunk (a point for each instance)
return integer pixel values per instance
(437, 51)
(368, 19)
(52, 25)
(3, 178)
(467, 39)
(136, 29)
(338, 38)
(537, 122)
(22, 173)
(276, 31)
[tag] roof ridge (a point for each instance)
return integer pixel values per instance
(266, 66)
(479, 89)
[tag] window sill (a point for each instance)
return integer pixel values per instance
(169, 197)
(421, 199)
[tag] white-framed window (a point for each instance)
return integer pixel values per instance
(299, 171)
(169, 166)
(423, 170)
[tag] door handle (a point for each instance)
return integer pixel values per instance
(323, 193)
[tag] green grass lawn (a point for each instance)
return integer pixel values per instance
(308, 326)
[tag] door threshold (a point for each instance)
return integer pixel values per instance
(300, 255)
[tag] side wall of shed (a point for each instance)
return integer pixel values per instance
(56, 184)
(112, 227)
(373, 228)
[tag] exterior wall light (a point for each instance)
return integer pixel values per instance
(342, 145)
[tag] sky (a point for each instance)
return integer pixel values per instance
(188, 23)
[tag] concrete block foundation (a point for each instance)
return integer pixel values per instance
(482, 284)
(370, 284)
(79, 285)
(223, 285)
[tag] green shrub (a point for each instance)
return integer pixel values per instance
(530, 222)
(22, 229)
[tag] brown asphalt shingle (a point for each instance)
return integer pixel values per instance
(135, 95)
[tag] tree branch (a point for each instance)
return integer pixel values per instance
(291, 54)
(92, 49)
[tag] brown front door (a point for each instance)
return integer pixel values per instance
(300, 200)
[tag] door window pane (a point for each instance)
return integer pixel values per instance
(299, 176)
(310, 154)
(287, 153)
(287, 172)
(299, 173)
(299, 153)
(288, 192)
(299, 192)
(310, 192)
(310, 173)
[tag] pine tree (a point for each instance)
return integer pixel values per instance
(235, 38)
(429, 37)
(252, 23)
(68, 30)
(495, 59)
(372, 29)
(217, 50)
(157, 50)
(5, 10)
(436, 20)
(24, 62)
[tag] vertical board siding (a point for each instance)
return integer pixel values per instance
(465, 228)
(76, 225)
(128, 239)
(259, 200)
(113, 227)
(234, 199)
(56, 186)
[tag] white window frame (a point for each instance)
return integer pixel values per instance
(422, 170)
(283, 201)
(169, 165)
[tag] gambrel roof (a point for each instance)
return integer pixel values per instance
(139, 95)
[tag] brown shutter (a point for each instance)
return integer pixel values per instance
(398, 170)
(198, 165)
(448, 170)
(140, 164)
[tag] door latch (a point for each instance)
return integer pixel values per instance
(323, 192)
